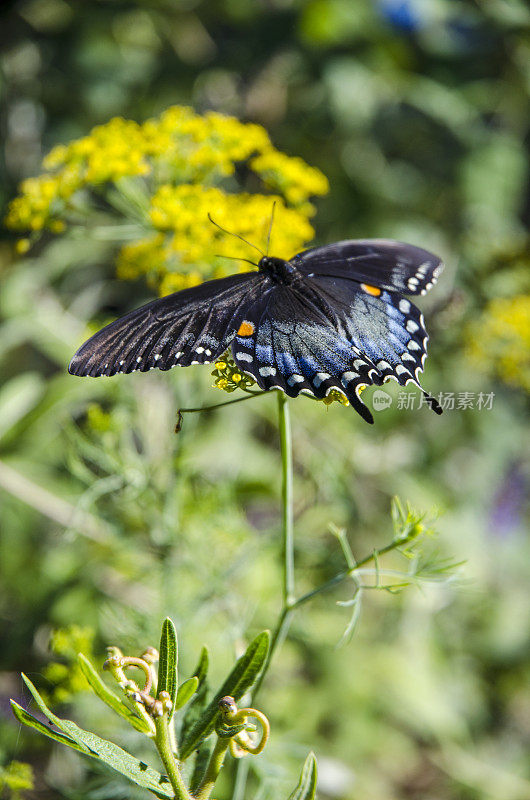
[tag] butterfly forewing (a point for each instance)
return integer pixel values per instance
(192, 326)
(382, 263)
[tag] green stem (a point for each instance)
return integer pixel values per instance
(341, 576)
(288, 593)
(287, 500)
(213, 769)
(163, 745)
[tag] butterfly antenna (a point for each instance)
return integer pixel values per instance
(237, 258)
(270, 227)
(231, 233)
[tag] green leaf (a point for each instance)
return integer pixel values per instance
(167, 668)
(307, 785)
(239, 681)
(201, 762)
(186, 691)
(201, 670)
(200, 701)
(89, 744)
(109, 697)
(64, 725)
(30, 721)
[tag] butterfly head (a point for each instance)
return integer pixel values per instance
(278, 270)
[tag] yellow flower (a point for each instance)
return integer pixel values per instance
(500, 341)
(167, 175)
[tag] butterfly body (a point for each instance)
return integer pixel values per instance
(279, 271)
(330, 318)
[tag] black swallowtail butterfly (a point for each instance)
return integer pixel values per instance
(332, 317)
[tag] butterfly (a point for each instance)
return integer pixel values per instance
(332, 317)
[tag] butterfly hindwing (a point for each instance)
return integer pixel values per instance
(193, 326)
(386, 329)
(382, 263)
(330, 334)
(291, 345)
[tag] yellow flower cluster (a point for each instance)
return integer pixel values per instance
(500, 340)
(187, 247)
(228, 377)
(290, 176)
(178, 148)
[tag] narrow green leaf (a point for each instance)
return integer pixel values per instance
(199, 768)
(239, 681)
(64, 725)
(201, 670)
(91, 745)
(30, 721)
(200, 701)
(108, 696)
(186, 691)
(126, 764)
(307, 785)
(167, 667)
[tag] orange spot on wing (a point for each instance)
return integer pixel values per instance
(373, 290)
(246, 329)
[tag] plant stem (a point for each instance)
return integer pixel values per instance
(163, 745)
(213, 769)
(347, 573)
(288, 593)
(287, 500)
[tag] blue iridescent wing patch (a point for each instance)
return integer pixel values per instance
(331, 335)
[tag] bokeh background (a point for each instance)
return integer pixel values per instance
(417, 112)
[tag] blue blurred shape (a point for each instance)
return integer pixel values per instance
(402, 14)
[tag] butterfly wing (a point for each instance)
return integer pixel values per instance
(194, 326)
(329, 334)
(383, 263)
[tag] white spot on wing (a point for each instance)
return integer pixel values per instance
(412, 326)
(319, 378)
(294, 379)
(404, 306)
(265, 371)
(244, 357)
(348, 377)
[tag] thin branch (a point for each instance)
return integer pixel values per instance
(181, 411)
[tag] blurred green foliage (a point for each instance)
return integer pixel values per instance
(417, 112)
